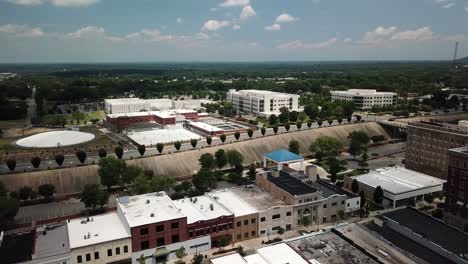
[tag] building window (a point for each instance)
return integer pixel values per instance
(88, 257)
(96, 255)
(263, 231)
(143, 231)
(160, 241)
(246, 222)
(109, 251)
(288, 227)
(238, 223)
(190, 234)
(288, 213)
(117, 251)
(334, 204)
(175, 225)
(125, 249)
(252, 221)
(252, 233)
(324, 206)
(79, 259)
(160, 228)
(175, 238)
(246, 234)
(144, 245)
(276, 216)
(262, 219)
(239, 236)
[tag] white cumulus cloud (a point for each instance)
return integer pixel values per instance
(26, 2)
(236, 27)
(247, 11)
(214, 25)
(274, 27)
(466, 8)
(424, 33)
(21, 30)
(449, 5)
(285, 18)
(298, 44)
(58, 3)
(230, 3)
(179, 20)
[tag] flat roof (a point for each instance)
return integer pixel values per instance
(53, 243)
(434, 230)
(290, 184)
(328, 248)
(233, 203)
(229, 259)
(17, 247)
(96, 229)
(201, 208)
(148, 208)
(167, 135)
(258, 197)
(363, 92)
(283, 155)
(124, 101)
(328, 189)
(255, 259)
(263, 93)
(398, 180)
(162, 114)
(280, 254)
(206, 127)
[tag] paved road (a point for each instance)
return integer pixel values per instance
(131, 152)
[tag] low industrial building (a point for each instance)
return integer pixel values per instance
(169, 134)
(99, 239)
(399, 184)
(420, 233)
(365, 98)
(262, 103)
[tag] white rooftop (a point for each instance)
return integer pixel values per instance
(162, 114)
(167, 135)
(206, 127)
(53, 139)
(201, 208)
(280, 254)
(253, 92)
(124, 101)
(233, 202)
(148, 208)
(362, 92)
(99, 229)
(229, 259)
(255, 259)
(398, 180)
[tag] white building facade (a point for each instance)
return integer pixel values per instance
(365, 99)
(131, 105)
(262, 103)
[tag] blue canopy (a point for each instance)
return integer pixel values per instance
(282, 156)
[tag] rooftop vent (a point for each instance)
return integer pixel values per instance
(147, 201)
(151, 215)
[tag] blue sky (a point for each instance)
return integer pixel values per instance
(230, 30)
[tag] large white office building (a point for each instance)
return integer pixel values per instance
(131, 105)
(262, 103)
(364, 98)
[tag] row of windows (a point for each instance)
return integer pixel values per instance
(246, 222)
(246, 235)
(206, 231)
(87, 258)
(159, 228)
(160, 241)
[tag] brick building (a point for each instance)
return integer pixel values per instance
(456, 195)
(428, 144)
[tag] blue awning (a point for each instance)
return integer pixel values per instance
(282, 156)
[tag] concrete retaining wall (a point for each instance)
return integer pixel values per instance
(184, 164)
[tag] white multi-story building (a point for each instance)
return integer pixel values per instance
(130, 105)
(262, 103)
(365, 99)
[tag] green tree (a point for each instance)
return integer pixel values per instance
(234, 158)
(25, 192)
(209, 140)
(46, 191)
(130, 173)
(193, 142)
(177, 145)
(273, 120)
(119, 152)
(36, 162)
(263, 131)
(102, 153)
(363, 198)
(186, 186)
(312, 111)
(81, 155)
(363, 162)
(378, 195)
(335, 167)
(8, 210)
(355, 148)
(287, 126)
(204, 180)
(180, 253)
(141, 149)
(252, 174)
(237, 135)
(223, 138)
(284, 116)
(197, 259)
(110, 171)
(250, 132)
(142, 259)
(11, 164)
(355, 186)
(93, 196)
(140, 185)
(59, 158)
(294, 146)
(207, 161)
(309, 124)
(160, 147)
(299, 125)
(275, 129)
(319, 123)
(325, 147)
(162, 183)
(221, 158)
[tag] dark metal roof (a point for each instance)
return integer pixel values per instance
(291, 184)
(16, 248)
